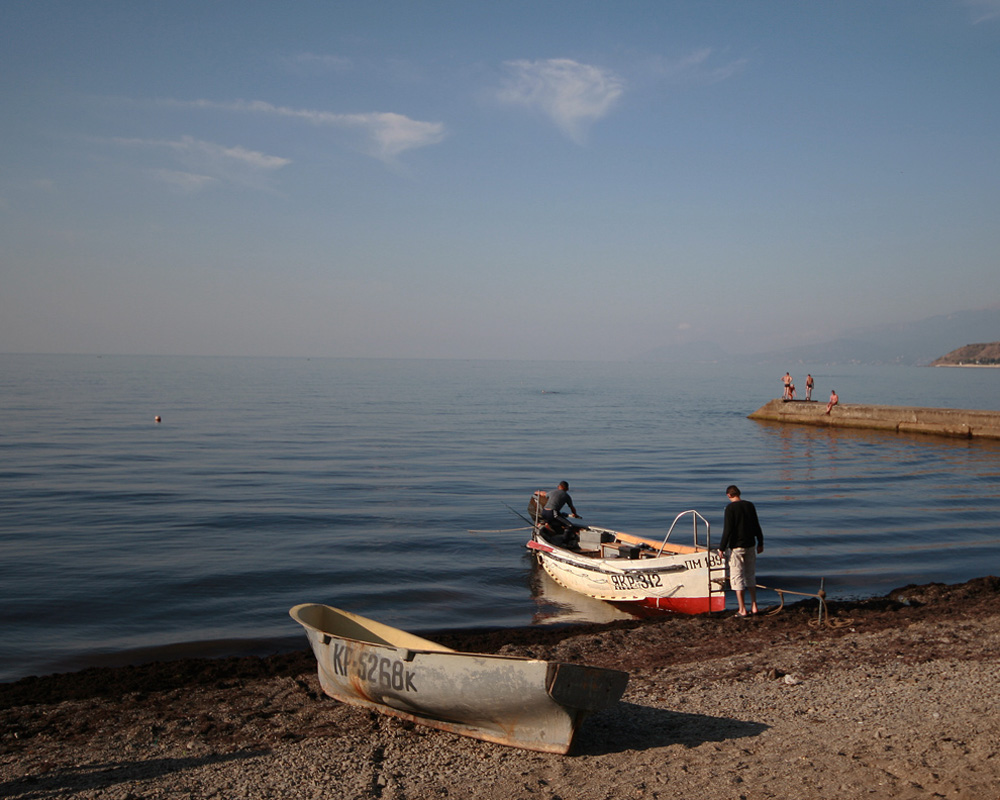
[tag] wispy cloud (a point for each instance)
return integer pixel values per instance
(385, 135)
(698, 67)
(571, 94)
(189, 147)
(983, 10)
(207, 162)
(186, 182)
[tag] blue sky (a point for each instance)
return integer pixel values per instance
(570, 180)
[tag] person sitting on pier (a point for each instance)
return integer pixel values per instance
(833, 400)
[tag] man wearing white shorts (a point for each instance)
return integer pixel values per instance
(744, 539)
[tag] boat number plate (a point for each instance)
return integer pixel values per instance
(386, 673)
(639, 581)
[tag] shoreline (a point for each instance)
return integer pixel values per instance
(971, 366)
(891, 698)
(479, 639)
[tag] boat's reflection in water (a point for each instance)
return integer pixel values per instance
(555, 604)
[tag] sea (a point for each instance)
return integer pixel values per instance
(164, 507)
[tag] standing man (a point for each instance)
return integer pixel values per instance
(787, 381)
(809, 387)
(740, 533)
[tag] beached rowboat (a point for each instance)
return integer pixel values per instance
(524, 702)
(622, 568)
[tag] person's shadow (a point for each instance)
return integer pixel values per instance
(628, 726)
(74, 781)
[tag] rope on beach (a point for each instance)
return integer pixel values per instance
(824, 618)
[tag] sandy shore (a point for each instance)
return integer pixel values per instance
(897, 698)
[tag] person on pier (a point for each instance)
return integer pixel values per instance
(833, 400)
(787, 381)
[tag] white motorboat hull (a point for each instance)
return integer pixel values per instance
(623, 568)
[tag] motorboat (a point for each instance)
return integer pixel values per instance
(654, 574)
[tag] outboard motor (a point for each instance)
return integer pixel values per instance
(558, 531)
(536, 504)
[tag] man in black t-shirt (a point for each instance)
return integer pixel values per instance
(743, 537)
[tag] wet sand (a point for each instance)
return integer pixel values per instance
(894, 697)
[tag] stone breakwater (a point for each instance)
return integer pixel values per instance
(901, 419)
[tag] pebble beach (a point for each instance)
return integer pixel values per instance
(890, 697)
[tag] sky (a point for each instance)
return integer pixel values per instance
(570, 180)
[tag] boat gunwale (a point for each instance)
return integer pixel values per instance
(605, 565)
(429, 646)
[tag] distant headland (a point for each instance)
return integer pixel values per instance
(972, 355)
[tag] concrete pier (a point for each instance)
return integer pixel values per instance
(901, 419)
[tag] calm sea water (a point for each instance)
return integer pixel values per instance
(383, 487)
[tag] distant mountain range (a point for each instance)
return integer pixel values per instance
(912, 343)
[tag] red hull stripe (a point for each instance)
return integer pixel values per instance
(686, 605)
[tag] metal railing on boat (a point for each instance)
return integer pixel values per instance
(695, 516)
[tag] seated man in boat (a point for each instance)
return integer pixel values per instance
(556, 521)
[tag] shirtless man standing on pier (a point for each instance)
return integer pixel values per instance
(787, 380)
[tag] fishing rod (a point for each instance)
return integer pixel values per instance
(510, 530)
(518, 514)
